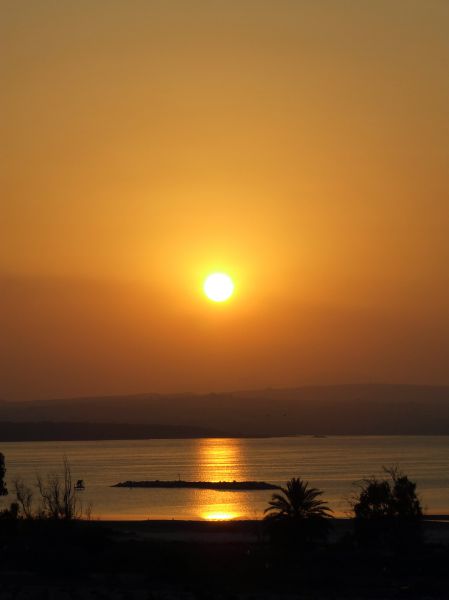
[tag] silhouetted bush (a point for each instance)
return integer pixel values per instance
(8, 515)
(24, 495)
(296, 516)
(3, 488)
(57, 498)
(11, 513)
(388, 511)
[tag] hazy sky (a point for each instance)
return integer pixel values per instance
(300, 145)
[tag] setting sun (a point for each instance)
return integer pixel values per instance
(218, 287)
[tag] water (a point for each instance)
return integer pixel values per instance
(331, 463)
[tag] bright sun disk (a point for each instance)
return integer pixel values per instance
(218, 287)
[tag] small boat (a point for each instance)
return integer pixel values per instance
(79, 486)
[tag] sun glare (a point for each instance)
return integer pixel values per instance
(218, 287)
(219, 516)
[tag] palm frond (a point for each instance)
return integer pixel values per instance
(297, 501)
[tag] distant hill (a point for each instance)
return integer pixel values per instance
(49, 431)
(375, 409)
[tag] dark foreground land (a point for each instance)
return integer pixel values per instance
(206, 560)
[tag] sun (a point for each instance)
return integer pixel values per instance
(218, 287)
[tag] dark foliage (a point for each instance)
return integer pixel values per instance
(388, 511)
(297, 516)
(3, 488)
(56, 497)
(11, 513)
(24, 495)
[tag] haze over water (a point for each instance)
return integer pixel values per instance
(332, 464)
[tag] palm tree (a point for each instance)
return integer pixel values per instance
(298, 511)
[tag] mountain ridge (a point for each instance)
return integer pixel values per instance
(353, 409)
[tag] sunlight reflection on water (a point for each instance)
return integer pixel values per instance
(219, 516)
(220, 459)
(331, 463)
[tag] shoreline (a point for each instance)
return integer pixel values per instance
(435, 530)
(338, 516)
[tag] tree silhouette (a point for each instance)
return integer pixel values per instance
(58, 496)
(375, 500)
(24, 496)
(406, 503)
(11, 514)
(3, 488)
(396, 497)
(297, 514)
(388, 511)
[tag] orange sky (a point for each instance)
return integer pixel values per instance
(300, 146)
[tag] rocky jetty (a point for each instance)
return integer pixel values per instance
(222, 486)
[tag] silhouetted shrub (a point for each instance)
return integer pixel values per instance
(24, 495)
(8, 520)
(56, 498)
(11, 513)
(3, 488)
(388, 511)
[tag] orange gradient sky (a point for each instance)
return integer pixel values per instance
(301, 147)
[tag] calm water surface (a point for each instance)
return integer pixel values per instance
(332, 464)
